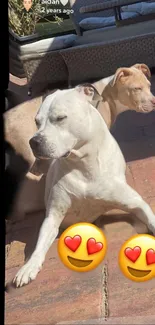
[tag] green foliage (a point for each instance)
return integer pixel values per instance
(22, 22)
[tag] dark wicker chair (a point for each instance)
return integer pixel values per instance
(94, 56)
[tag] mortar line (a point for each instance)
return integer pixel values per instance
(104, 301)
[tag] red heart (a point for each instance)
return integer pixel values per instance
(132, 253)
(73, 243)
(150, 256)
(93, 247)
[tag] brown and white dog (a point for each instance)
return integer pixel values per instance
(127, 89)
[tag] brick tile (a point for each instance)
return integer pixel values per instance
(114, 320)
(150, 319)
(14, 258)
(125, 298)
(57, 294)
(143, 172)
(136, 150)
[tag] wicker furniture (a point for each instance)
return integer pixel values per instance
(76, 5)
(116, 6)
(94, 55)
(45, 70)
(94, 61)
(43, 64)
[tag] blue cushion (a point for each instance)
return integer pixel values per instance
(99, 22)
(142, 8)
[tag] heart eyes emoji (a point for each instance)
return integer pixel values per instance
(82, 247)
(137, 258)
(150, 256)
(133, 254)
(93, 246)
(73, 244)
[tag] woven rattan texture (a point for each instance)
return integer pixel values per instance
(101, 60)
(45, 69)
(102, 5)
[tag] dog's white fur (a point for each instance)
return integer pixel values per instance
(127, 89)
(86, 184)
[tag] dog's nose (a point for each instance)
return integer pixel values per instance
(35, 142)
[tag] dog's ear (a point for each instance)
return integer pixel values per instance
(144, 68)
(40, 167)
(121, 75)
(90, 91)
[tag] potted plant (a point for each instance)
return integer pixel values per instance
(22, 22)
(22, 29)
(28, 23)
(37, 34)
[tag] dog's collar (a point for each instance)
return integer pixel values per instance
(95, 102)
(96, 105)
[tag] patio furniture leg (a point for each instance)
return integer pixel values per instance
(119, 13)
(116, 15)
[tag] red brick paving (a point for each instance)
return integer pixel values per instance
(114, 321)
(57, 294)
(64, 297)
(125, 297)
(143, 173)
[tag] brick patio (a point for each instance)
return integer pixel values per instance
(59, 296)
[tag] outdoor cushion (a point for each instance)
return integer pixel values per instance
(114, 34)
(49, 44)
(142, 8)
(99, 22)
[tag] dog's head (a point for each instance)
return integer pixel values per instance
(64, 122)
(134, 88)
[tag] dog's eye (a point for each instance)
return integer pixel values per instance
(60, 118)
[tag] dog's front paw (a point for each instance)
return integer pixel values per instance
(27, 273)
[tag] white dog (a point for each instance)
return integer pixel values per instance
(127, 89)
(86, 176)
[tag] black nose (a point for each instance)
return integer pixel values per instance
(35, 142)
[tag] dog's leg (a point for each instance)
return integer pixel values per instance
(129, 200)
(48, 232)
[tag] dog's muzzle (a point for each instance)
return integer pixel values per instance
(38, 147)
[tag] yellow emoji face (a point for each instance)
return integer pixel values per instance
(82, 247)
(137, 258)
